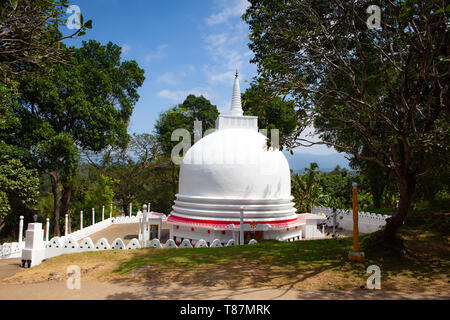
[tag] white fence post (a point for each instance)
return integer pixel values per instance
(66, 226)
(144, 226)
(47, 229)
(81, 220)
(148, 208)
(241, 227)
(93, 216)
(131, 209)
(20, 229)
(103, 213)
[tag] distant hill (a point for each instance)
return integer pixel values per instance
(299, 161)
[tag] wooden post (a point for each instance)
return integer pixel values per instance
(355, 255)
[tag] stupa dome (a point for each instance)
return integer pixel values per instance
(235, 164)
(231, 170)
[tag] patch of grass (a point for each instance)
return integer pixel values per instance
(286, 254)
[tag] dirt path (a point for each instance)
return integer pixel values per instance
(9, 267)
(57, 290)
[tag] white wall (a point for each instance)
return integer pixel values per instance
(367, 222)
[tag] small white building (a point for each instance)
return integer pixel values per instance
(230, 170)
(150, 224)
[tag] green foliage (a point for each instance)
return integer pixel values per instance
(100, 194)
(305, 188)
(329, 189)
(90, 99)
(18, 186)
(273, 113)
(135, 172)
(30, 35)
(376, 94)
(45, 206)
(82, 105)
(183, 116)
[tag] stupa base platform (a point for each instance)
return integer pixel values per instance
(293, 229)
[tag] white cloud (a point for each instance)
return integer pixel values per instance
(157, 54)
(180, 95)
(170, 77)
(126, 49)
(223, 51)
(236, 9)
(227, 48)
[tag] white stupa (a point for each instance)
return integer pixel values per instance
(230, 169)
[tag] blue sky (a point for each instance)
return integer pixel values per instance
(185, 47)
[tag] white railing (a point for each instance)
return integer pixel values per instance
(133, 219)
(367, 222)
(82, 233)
(11, 250)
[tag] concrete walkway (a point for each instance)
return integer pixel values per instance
(57, 290)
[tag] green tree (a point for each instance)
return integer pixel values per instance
(84, 105)
(357, 79)
(306, 189)
(131, 168)
(183, 116)
(30, 41)
(30, 34)
(18, 181)
(273, 113)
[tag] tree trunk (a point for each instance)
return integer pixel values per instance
(125, 205)
(56, 200)
(406, 188)
(377, 193)
(65, 205)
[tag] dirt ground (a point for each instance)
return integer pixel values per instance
(48, 281)
(9, 267)
(92, 290)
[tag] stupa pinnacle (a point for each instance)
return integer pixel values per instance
(236, 106)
